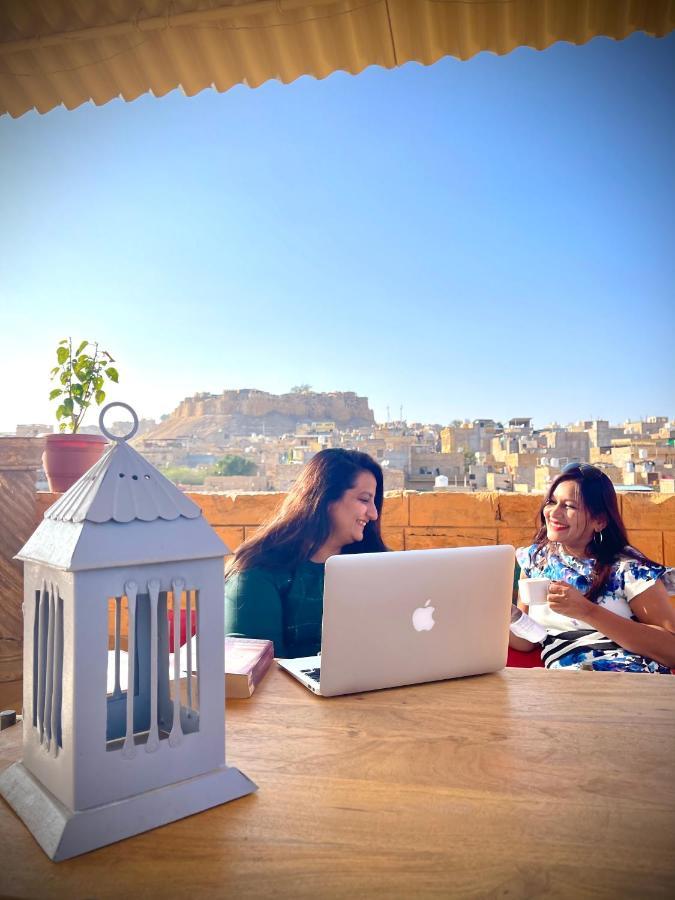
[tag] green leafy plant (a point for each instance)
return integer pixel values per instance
(81, 374)
(234, 465)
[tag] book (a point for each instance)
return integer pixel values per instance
(246, 662)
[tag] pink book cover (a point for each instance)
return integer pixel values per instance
(246, 661)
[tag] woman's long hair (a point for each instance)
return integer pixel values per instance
(599, 499)
(302, 525)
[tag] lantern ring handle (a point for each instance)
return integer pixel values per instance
(118, 437)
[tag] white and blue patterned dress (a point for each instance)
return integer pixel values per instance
(572, 643)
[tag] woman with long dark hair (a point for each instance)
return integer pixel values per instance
(274, 584)
(608, 606)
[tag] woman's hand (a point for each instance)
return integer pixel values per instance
(568, 601)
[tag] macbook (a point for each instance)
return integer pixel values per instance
(406, 617)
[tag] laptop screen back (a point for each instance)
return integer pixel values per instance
(411, 616)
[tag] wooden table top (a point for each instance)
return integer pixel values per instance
(526, 783)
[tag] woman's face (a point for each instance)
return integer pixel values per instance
(351, 513)
(567, 519)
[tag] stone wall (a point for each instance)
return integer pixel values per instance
(411, 520)
(415, 521)
(222, 483)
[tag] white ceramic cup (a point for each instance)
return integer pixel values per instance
(533, 590)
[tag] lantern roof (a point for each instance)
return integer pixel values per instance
(122, 487)
(121, 512)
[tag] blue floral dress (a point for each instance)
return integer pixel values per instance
(572, 643)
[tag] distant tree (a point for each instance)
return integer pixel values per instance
(469, 459)
(234, 465)
(301, 389)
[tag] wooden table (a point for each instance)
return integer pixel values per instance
(522, 784)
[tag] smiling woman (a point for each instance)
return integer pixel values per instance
(274, 585)
(607, 605)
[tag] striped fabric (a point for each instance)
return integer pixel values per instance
(582, 641)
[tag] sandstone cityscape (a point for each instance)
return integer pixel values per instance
(251, 440)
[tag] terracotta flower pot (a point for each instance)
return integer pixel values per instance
(68, 456)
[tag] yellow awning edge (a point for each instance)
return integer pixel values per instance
(55, 52)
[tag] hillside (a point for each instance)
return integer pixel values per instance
(242, 412)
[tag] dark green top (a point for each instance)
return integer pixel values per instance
(282, 605)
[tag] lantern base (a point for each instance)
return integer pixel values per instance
(63, 832)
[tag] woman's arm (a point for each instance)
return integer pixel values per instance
(518, 643)
(653, 635)
(253, 607)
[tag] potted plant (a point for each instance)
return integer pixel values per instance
(80, 374)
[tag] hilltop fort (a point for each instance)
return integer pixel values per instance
(249, 411)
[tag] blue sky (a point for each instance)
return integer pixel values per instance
(484, 238)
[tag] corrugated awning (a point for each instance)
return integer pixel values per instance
(66, 52)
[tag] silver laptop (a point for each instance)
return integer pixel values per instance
(406, 617)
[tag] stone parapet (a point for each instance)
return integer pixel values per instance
(456, 509)
(414, 520)
(648, 511)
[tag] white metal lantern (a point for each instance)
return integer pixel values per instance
(114, 743)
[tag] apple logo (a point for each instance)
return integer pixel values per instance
(423, 617)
